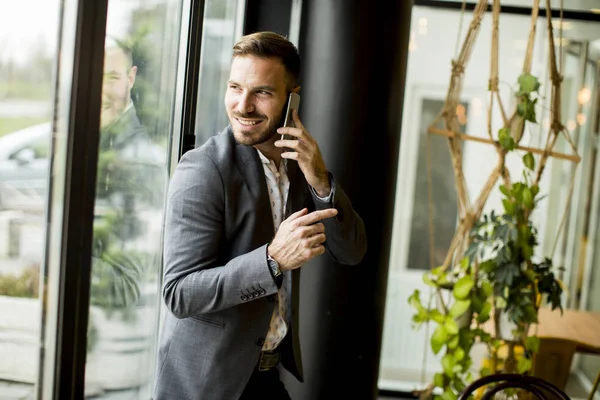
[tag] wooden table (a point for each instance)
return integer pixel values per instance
(580, 326)
(561, 337)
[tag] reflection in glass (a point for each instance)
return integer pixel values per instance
(137, 91)
(28, 52)
(218, 37)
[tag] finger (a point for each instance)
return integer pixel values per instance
(318, 250)
(298, 214)
(318, 239)
(311, 230)
(317, 228)
(297, 121)
(288, 130)
(289, 143)
(290, 155)
(318, 215)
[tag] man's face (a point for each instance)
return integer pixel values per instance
(255, 98)
(119, 77)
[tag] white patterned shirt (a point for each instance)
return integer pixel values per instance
(278, 186)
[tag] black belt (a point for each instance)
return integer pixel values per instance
(268, 359)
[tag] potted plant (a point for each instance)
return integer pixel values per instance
(498, 277)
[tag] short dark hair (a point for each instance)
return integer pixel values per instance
(112, 42)
(270, 44)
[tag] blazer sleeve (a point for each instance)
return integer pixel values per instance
(194, 281)
(346, 236)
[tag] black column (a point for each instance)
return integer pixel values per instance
(268, 15)
(354, 65)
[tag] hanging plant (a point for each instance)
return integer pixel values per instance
(497, 275)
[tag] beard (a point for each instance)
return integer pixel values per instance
(112, 109)
(250, 136)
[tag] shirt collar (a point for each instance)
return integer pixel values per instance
(266, 161)
(263, 158)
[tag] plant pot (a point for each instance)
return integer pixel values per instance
(505, 326)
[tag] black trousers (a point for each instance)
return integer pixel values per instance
(265, 385)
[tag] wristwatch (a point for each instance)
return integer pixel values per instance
(275, 270)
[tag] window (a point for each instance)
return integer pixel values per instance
(140, 64)
(28, 53)
(221, 29)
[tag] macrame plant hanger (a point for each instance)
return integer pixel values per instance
(468, 212)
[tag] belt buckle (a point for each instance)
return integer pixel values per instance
(268, 359)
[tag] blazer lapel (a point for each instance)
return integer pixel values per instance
(251, 169)
(295, 200)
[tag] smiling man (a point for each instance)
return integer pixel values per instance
(242, 218)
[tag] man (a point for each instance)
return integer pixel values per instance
(242, 217)
(128, 181)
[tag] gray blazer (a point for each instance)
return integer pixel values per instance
(217, 285)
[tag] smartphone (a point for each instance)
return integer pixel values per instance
(292, 104)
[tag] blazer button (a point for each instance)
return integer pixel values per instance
(260, 341)
(262, 291)
(244, 297)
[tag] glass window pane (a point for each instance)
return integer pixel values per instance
(220, 30)
(140, 65)
(435, 173)
(28, 51)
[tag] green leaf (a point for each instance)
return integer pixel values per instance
(535, 189)
(529, 113)
(528, 83)
(522, 108)
(448, 363)
(436, 316)
(438, 380)
(464, 263)
(453, 342)
(451, 326)
(463, 287)
(504, 190)
(438, 339)
(486, 288)
(529, 161)
(485, 371)
(414, 300)
(459, 354)
(484, 315)
(524, 365)
(428, 281)
(418, 319)
(506, 140)
(487, 267)
(508, 206)
(459, 308)
(449, 395)
(532, 343)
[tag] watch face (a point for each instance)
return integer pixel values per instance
(274, 266)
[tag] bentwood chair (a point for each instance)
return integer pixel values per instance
(537, 387)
